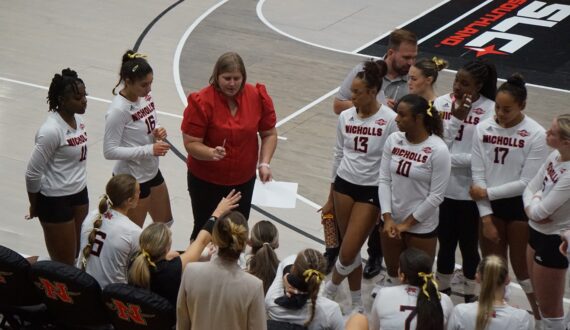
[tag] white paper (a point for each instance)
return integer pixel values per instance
(275, 194)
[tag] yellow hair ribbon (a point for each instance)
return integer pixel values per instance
(438, 61)
(147, 256)
(428, 278)
(312, 272)
(430, 107)
(136, 55)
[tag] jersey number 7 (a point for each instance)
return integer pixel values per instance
(410, 317)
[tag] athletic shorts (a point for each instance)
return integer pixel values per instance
(362, 194)
(145, 187)
(546, 251)
(431, 234)
(60, 209)
(509, 209)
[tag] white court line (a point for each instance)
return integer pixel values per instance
(357, 50)
(307, 107)
(260, 15)
(454, 21)
(425, 12)
(178, 52)
(88, 97)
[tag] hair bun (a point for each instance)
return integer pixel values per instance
(68, 73)
(440, 63)
(516, 79)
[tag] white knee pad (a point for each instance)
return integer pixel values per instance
(553, 323)
(345, 270)
(526, 285)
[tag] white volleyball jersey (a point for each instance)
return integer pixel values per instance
(116, 242)
(57, 166)
(548, 196)
(458, 135)
(359, 145)
(395, 308)
(413, 179)
(464, 317)
(506, 159)
(129, 139)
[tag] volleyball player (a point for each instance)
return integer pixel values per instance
(508, 150)
(134, 138)
(470, 102)
(56, 178)
(547, 205)
(361, 133)
(413, 177)
(423, 76)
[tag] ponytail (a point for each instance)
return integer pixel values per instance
(493, 272)
(416, 266)
(373, 73)
(134, 67)
(154, 241)
(264, 262)
(104, 205)
(310, 265)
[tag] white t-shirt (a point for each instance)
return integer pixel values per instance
(506, 159)
(548, 196)
(359, 144)
(116, 242)
(458, 135)
(393, 308)
(57, 166)
(413, 179)
(464, 317)
(129, 138)
(327, 312)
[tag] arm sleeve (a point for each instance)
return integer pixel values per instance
(374, 317)
(453, 322)
(46, 145)
(385, 181)
(478, 172)
(451, 129)
(182, 313)
(535, 185)
(344, 92)
(115, 122)
(532, 163)
(338, 148)
(559, 195)
(257, 319)
(441, 168)
(268, 116)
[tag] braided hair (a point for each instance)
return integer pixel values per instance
(484, 73)
(119, 189)
(61, 84)
(310, 265)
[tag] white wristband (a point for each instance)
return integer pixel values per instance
(263, 165)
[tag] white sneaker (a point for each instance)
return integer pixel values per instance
(458, 277)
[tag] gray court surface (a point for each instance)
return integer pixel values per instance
(301, 50)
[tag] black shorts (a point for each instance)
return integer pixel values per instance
(509, 209)
(362, 194)
(431, 234)
(145, 187)
(546, 251)
(60, 209)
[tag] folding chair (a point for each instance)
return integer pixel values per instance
(72, 297)
(132, 308)
(20, 303)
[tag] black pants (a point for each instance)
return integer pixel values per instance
(205, 196)
(374, 247)
(458, 223)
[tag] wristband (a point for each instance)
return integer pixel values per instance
(209, 225)
(263, 165)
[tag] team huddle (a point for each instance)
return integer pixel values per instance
(414, 173)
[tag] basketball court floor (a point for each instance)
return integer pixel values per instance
(300, 49)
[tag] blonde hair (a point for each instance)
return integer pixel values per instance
(228, 62)
(310, 265)
(493, 272)
(263, 263)
(564, 125)
(230, 235)
(154, 241)
(119, 189)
